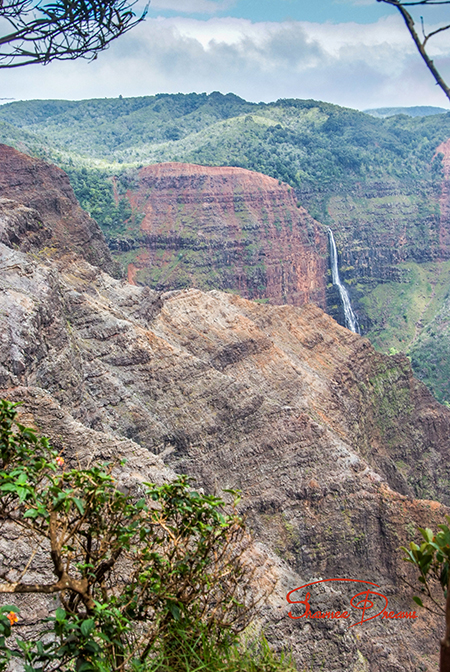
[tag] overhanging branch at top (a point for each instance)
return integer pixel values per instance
(40, 32)
(422, 42)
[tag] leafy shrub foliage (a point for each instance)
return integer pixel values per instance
(432, 559)
(154, 578)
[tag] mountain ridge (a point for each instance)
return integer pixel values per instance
(337, 449)
(377, 183)
(416, 111)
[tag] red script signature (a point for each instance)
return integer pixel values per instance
(363, 602)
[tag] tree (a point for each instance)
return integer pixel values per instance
(40, 32)
(432, 558)
(422, 43)
(138, 574)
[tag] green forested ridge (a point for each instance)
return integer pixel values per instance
(370, 179)
(301, 141)
(417, 111)
(318, 148)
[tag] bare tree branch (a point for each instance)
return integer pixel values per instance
(420, 44)
(60, 30)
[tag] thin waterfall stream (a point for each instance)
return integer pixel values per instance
(351, 321)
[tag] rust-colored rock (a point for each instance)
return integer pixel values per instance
(227, 228)
(336, 448)
(59, 222)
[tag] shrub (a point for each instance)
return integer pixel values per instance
(150, 578)
(432, 559)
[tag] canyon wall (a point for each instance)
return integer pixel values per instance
(225, 228)
(340, 453)
(56, 221)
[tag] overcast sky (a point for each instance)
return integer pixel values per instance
(355, 53)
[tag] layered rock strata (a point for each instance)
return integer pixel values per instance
(56, 221)
(226, 228)
(337, 449)
(319, 432)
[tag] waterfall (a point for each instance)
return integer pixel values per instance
(351, 321)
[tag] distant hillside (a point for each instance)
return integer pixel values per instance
(379, 183)
(420, 111)
(315, 147)
(303, 142)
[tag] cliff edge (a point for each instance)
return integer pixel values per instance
(38, 209)
(226, 228)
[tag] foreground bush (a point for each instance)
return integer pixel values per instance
(432, 559)
(155, 580)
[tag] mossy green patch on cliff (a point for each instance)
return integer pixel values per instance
(413, 316)
(287, 536)
(430, 353)
(390, 397)
(399, 310)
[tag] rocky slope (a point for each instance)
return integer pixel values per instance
(337, 449)
(225, 228)
(378, 183)
(39, 209)
(232, 229)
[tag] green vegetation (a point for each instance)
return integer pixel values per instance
(412, 316)
(430, 355)
(145, 578)
(432, 559)
(324, 151)
(417, 111)
(374, 181)
(95, 193)
(395, 308)
(302, 142)
(318, 148)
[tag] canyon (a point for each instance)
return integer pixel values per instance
(339, 452)
(225, 228)
(379, 184)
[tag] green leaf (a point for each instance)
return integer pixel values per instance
(31, 513)
(9, 607)
(87, 627)
(8, 487)
(427, 533)
(60, 615)
(79, 504)
(22, 492)
(418, 601)
(174, 610)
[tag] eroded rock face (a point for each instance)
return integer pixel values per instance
(330, 442)
(333, 445)
(59, 222)
(226, 228)
(444, 201)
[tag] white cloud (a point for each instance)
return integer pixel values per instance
(193, 6)
(370, 65)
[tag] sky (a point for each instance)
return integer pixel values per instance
(355, 53)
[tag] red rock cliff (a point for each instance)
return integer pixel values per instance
(227, 228)
(52, 216)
